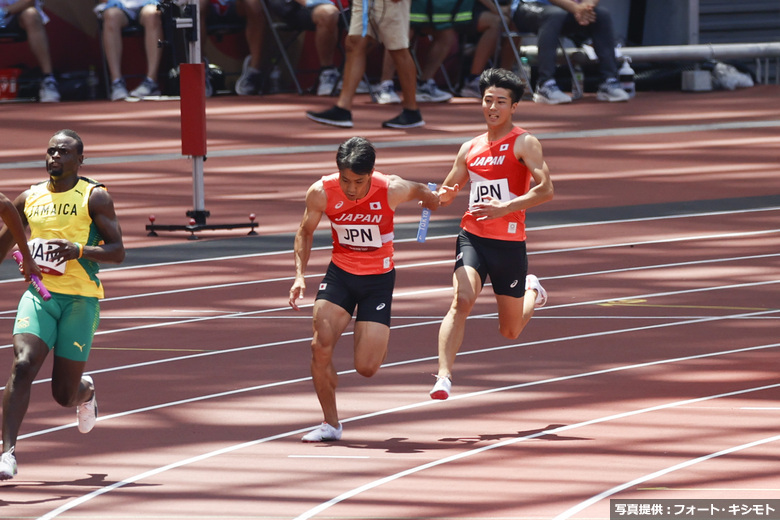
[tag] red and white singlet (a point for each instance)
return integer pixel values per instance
(362, 230)
(494, 171)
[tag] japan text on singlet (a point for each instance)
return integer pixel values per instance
(64, 215)
(362, 230)
(495, 172)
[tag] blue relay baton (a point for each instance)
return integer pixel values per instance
(425, 218)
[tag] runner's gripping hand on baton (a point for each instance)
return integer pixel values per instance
(34, 279)
(446, 194)
(425, 218)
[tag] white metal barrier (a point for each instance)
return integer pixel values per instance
(763, 54)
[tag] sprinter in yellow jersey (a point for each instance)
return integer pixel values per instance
(500, 165)
(73, 227)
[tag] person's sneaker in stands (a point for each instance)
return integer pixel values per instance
(119, 90)
(248, 83)
(611, 91)
(406, 119)
(49, 91)
(471, 89)
(328, 80)
(550, 94)
(386, 94)
(334, 116)
(209, 86)
(428, 92)
(147, 88)
(362, 88)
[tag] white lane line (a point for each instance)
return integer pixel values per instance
(658, 217)
(517, 386)
(675, 323)
(390, 478)
(530, 228)
(601, 496)
(228, 449)
(449, 141)
(414, 293)
(328, 457)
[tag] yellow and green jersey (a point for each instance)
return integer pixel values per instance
(65, 215)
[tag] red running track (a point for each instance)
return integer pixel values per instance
(651, 374)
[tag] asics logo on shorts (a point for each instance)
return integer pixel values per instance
(380, 306)
(513, 284)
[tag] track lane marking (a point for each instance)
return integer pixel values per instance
(530, 228)
(601, 496)
(228, 449)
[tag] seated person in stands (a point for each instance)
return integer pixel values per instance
(29, 16)
(252, 12)
(437, 20)
(486, 27)
(116, 15)
(551, 19)
(322, 17)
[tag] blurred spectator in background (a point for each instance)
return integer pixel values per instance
(551, 19)
(385, 90)
(249, 83)
(116, 15)
(486, 26)
(322, 17)
(386, 21)
(437, 20)
(29, 16)
(434, 20)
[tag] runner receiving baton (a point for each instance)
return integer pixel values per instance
(500, 165)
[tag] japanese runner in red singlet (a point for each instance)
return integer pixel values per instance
(360, 204)
(506, 174)
(362, 229)
(495, 171)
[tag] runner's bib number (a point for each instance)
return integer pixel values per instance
(40, 250)
(497, 189)
(359, 236)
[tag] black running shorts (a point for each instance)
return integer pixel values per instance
(504, 261)
(372, 294)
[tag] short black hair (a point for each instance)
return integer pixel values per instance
(356, 154)
(72, 134)
(502, 78)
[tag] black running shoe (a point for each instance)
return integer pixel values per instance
(334, 116)
(406, 119)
